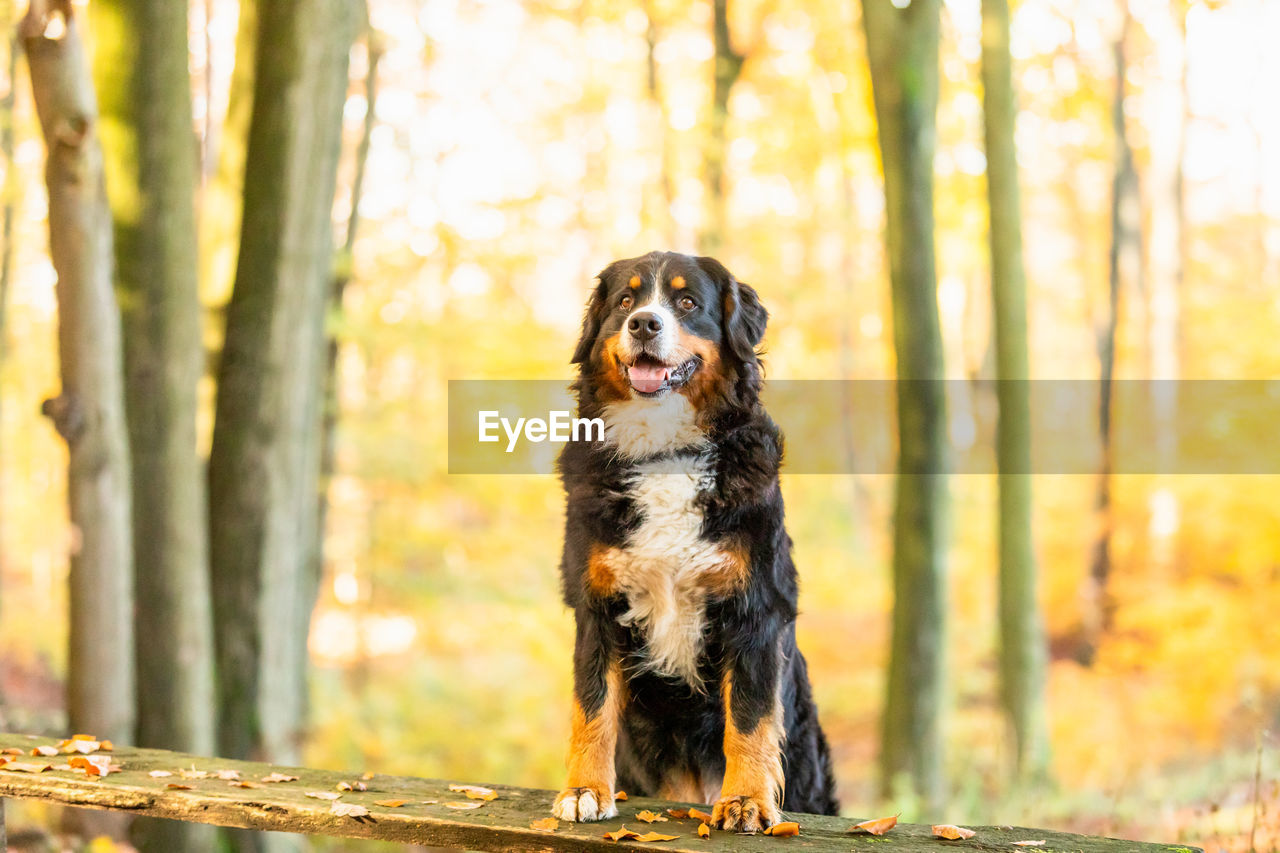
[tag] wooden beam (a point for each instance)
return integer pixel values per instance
(501, 824)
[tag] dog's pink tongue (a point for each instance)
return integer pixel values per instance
(648, 377)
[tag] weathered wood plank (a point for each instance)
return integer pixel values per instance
(501, 825)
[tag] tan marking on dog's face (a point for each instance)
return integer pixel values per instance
(677, 283)
(753, 781)
(613, 385)
(602, 570)
(634, 284)
(708, 383)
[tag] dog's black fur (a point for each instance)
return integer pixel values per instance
(671, 731)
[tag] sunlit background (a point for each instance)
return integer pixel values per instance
(519, 147)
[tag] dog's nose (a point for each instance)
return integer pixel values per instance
(644, 325)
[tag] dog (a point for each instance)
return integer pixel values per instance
(688, 684)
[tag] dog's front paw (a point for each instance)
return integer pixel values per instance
(587, 803)
(743, 814)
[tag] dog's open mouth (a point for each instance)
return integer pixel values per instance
(649, 376)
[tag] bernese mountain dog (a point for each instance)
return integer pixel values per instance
(688, 684)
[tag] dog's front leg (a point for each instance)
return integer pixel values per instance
(751, 795)
(597, 704)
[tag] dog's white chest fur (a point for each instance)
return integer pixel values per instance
(666, 562)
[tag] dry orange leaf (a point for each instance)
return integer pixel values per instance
(1028, 843)
(391, 804)
(782, 830)
(463, 806)
(952, 832)
(178, 786)
(621, 795)
(44, 750)
(279, 777)
(13, 750)
(546, 824)
(623, 834)
(649, 817)
(348, 810)
(367, 775)
(242, 784)
(352, 786)
(322, 795)
(93, 765)
(655, 836)
(474, 792)
(704, 831)
(698, 814)
(879, 826)
(678, 814)
(26, 767)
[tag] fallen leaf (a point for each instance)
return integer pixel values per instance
(782, 830)
(242, 784)
(228, 775)
(1028, 843)
(678, 814)
(649, 817)
(27, 767)
(106, 746)
(193, 773)
(176, 786)
(430, 802)
(83, 737)
(391, 804)
(952, 832)
(93, 765)
(44, 750)
(352, 786)
(463, 806)
(367, 775)
(879, 826)
(80, 745)
(13, 750)
(159, 774)
(698, 814)
(621, 795)
(475, 792)
(546, 824)
(655, 836)
(623, 834)
(704, 831)
(279, 777)
(323, 795)
(348, 810)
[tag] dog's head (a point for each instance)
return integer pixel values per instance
(667, 323)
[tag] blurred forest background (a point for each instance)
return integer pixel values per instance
(498, 154)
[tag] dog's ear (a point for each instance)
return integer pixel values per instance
(744, 317)
(593, 319)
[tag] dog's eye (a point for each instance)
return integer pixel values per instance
(626, 303)
(687, 304)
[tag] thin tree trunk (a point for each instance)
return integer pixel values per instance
(89, 412)
(265, 461)
(145, 87)
(728, 67)
(1023, 651)
(902, 47)
(1124, 264)
(662, 122)
(341, 278)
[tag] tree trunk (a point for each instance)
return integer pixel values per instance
(728, 66)
(89, 412)
(265, 461)
(902, 47)
(150, 145)
(1023, 650)
(1124, 264)
(341, 278)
